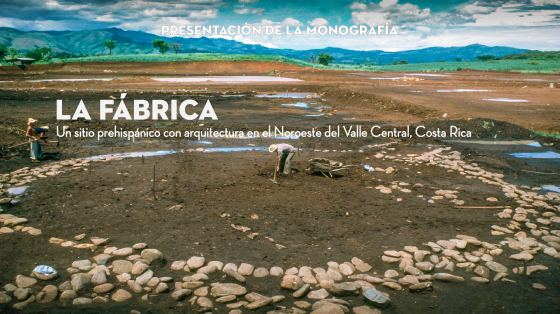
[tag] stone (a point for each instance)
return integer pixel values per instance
(207, 270)
(121, 295)
(102, 259)
(361, 265)
(121, 267)
(180, 294)
(225, 299)
(101, 300)
(302, 304)
(538, 286)
(151, 254)
(408, 281)
(334, 275)
(260, 272)
(124, 277)
(377, 298)
(235, 275)
(24, 281)
(291, 282)
(301, 292)
(323, 307)
(201, 292)
(99, 278)
(392, 285)
(448, 277)
(136, 269)
(480, 279)
(523, 256)
(196, 262)
(162, 288)
(79, 281)
(6, 230)
(192, 284)
(199, 277)
(104, 288)
(482, 271)
(21, 293)
(154, 281)
(423, 286)
(178, 265)
(276, 271)
(218, 264)
(136, 288)
(425, 266)
(346, 269)
(140, 246)
(246, 269)
(309, 278)
(204, 302)
(388, 259)
(4, 298)
(365, 310)
(499, 268)
(345, 289)
(318, 294)
(123, 252)
(99, 241)
(413, 271)
(68, 295)
(10, 287)
(223, 289)
(391, 273)
(82, 301)
(230, 266)
(145, 277)
(14, 222)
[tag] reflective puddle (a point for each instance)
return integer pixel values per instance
(543, 155)
(234, 149)
(552, 188)
(17, 191)
(506, 100)
(314, 115)
(299, 105)
(73, 80)
(226, 79)
(288, 95)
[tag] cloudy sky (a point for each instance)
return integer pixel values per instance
(531, 24)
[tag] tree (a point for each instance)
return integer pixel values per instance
(485, 58)
(325, 58)
(394, 63)
(161, 45)
(13, 52)
(403, 62)
(43, 53)
(458, 59)
(175, 47)
(3, 51)
(109, 44)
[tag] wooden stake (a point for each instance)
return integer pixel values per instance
(154, 183)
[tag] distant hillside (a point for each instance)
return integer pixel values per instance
(137, 42)
(533, 55)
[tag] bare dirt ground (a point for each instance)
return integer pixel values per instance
(305, 220)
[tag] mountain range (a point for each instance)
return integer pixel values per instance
(133, 42)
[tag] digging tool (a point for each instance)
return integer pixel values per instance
(275, 170)
(30, 142)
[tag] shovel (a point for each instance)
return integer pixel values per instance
(276, 167)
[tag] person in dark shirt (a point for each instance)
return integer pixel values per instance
(285, 154)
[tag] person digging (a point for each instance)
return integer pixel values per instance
(31, 133)
(285, 154)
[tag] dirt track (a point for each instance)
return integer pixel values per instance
(316, 219)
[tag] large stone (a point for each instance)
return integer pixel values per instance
(99, 241)
(196, 262)
(14, 222)
(24, 281)
(121, 267)
(323, 307)
(138, 268)
(151, 254)
(235, 275)
(162, 287)
(291, 282)
(99, 278)
(123, 252)
(318, 294)
(207, 270)
(104, 288)
(68, 295)
(21, 293)
(260, 272)
(482, 271)
(79, 282)
(345, 289)
(102, 259)
(301, 292)
(448, 277)
(136, 288)
(259, 303)
(365, 310)
(82, 301)
(497, 267)
(178, 265)
(377, 298)
(204, 302)
(361, 265)
(346, 269)
(121, 295)
(48, 294)
(181, 294)
(223, 289)
(423, 286)
(425, 266)
(246, 269)
(143, 279)
(4, 298)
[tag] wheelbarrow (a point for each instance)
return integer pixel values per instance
(326, 166)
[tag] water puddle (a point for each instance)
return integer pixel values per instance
(534, 144)
(73, 80)
(288, 95)
(233, 95)
(386, 78)
(414, 91)
(315, 115)
(299, 105)
(487, 142)
(226, 79)
(201, 142)
(506, 100)
(17, 191)
(234, 149)
(543, 155)
(552, 188)
(462, 90)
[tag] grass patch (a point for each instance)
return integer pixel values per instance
(547, 134)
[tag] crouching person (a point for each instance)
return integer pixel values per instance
(285, 154)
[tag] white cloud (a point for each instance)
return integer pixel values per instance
(388, 3)
(424, 29)
(204, 14)
(508, 16)
(248, 1)
(291, 22)
(545, 2)
(370, 18)
(249, 41)
(318, 22)
(358, 6)
(248, 11)
(475, 8)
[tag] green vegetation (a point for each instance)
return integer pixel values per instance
(175, 47)
(547, 134)
(40, 54)
(534, 55)
(3, 51)
(109, 44)
(161, 45)
(325, 58)
(485, 58)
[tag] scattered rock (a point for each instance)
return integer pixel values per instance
(448, 277)
(151, 254)
(104, 288)
(196, 262)
(377, 298)
(24, 281)
(260, 272)
(246, 269)
(121, 295)
(291, 282)
(82, 301)
(223, 289)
